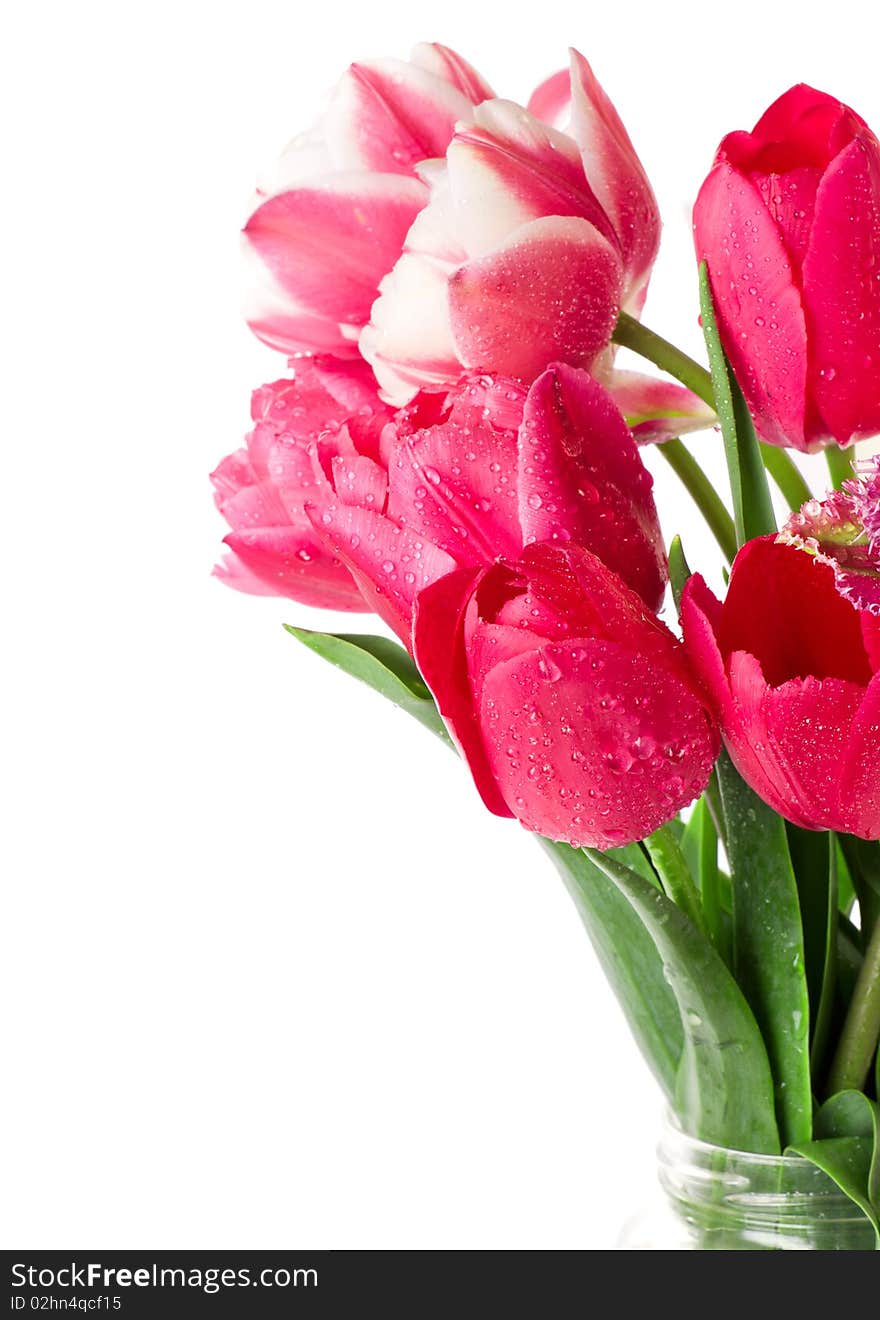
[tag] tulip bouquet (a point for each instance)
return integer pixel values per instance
(454, 448)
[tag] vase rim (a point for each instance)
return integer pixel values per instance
(673, 1126)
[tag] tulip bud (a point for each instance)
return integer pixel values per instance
(791, 661)
(573, 706)
(788, 222)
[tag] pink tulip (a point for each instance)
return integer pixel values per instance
(531, 243)
(791, 661)
(338, 205)
(261, 490)
(571, 703)
(473, 477)
(788, 221)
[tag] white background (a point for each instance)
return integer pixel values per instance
(273, 978)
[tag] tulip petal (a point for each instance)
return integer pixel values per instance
(808, 744)
(390, 564)
(860, 782)
(304, 158)
(507, 168)
(782, 607)
(841, 295)
(358, 480)
(581, 478)
(871, 638)
(757, 302)
(802, 127)
(274, 551)
(452, 484)
(656, 410)
(351, 384)
(387, 115)
(787, 741)
(551, 100)
(748, 741)
(447, 64)
(550, 292)
(274, 316)
(262, 490)
(409, 342)
(806, 723)
(700, 620)
(615, 172)
(243, 495)
(233, 573)
(323, 250)
(441, 656)
(322, 394)
(289, 561)
(752, 720)
(598, 769)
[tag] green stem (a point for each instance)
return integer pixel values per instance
(786, 474)
(703, 493)
(840, 464)
(716, 809)
(861, 1027)
(631, 334)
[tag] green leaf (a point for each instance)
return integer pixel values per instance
(768, 944)
(628, 958)
(634, 856)
(847, 1147)
(825, 1009)
(679, 572)
(846, 894)
(863, 860)
(712, 795)
(752, 506)
(383, 666)
(814, 857)
(675, 876)
(724, 1088)
(847, 1161)
(700, 848)
(852, 1114)
(849, 962)
(675, 827)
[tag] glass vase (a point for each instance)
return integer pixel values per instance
(714, 1199)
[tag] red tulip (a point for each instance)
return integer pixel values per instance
(788, 221)
(793, 669)
(573, 706)
(261, 490)
(467, 478)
